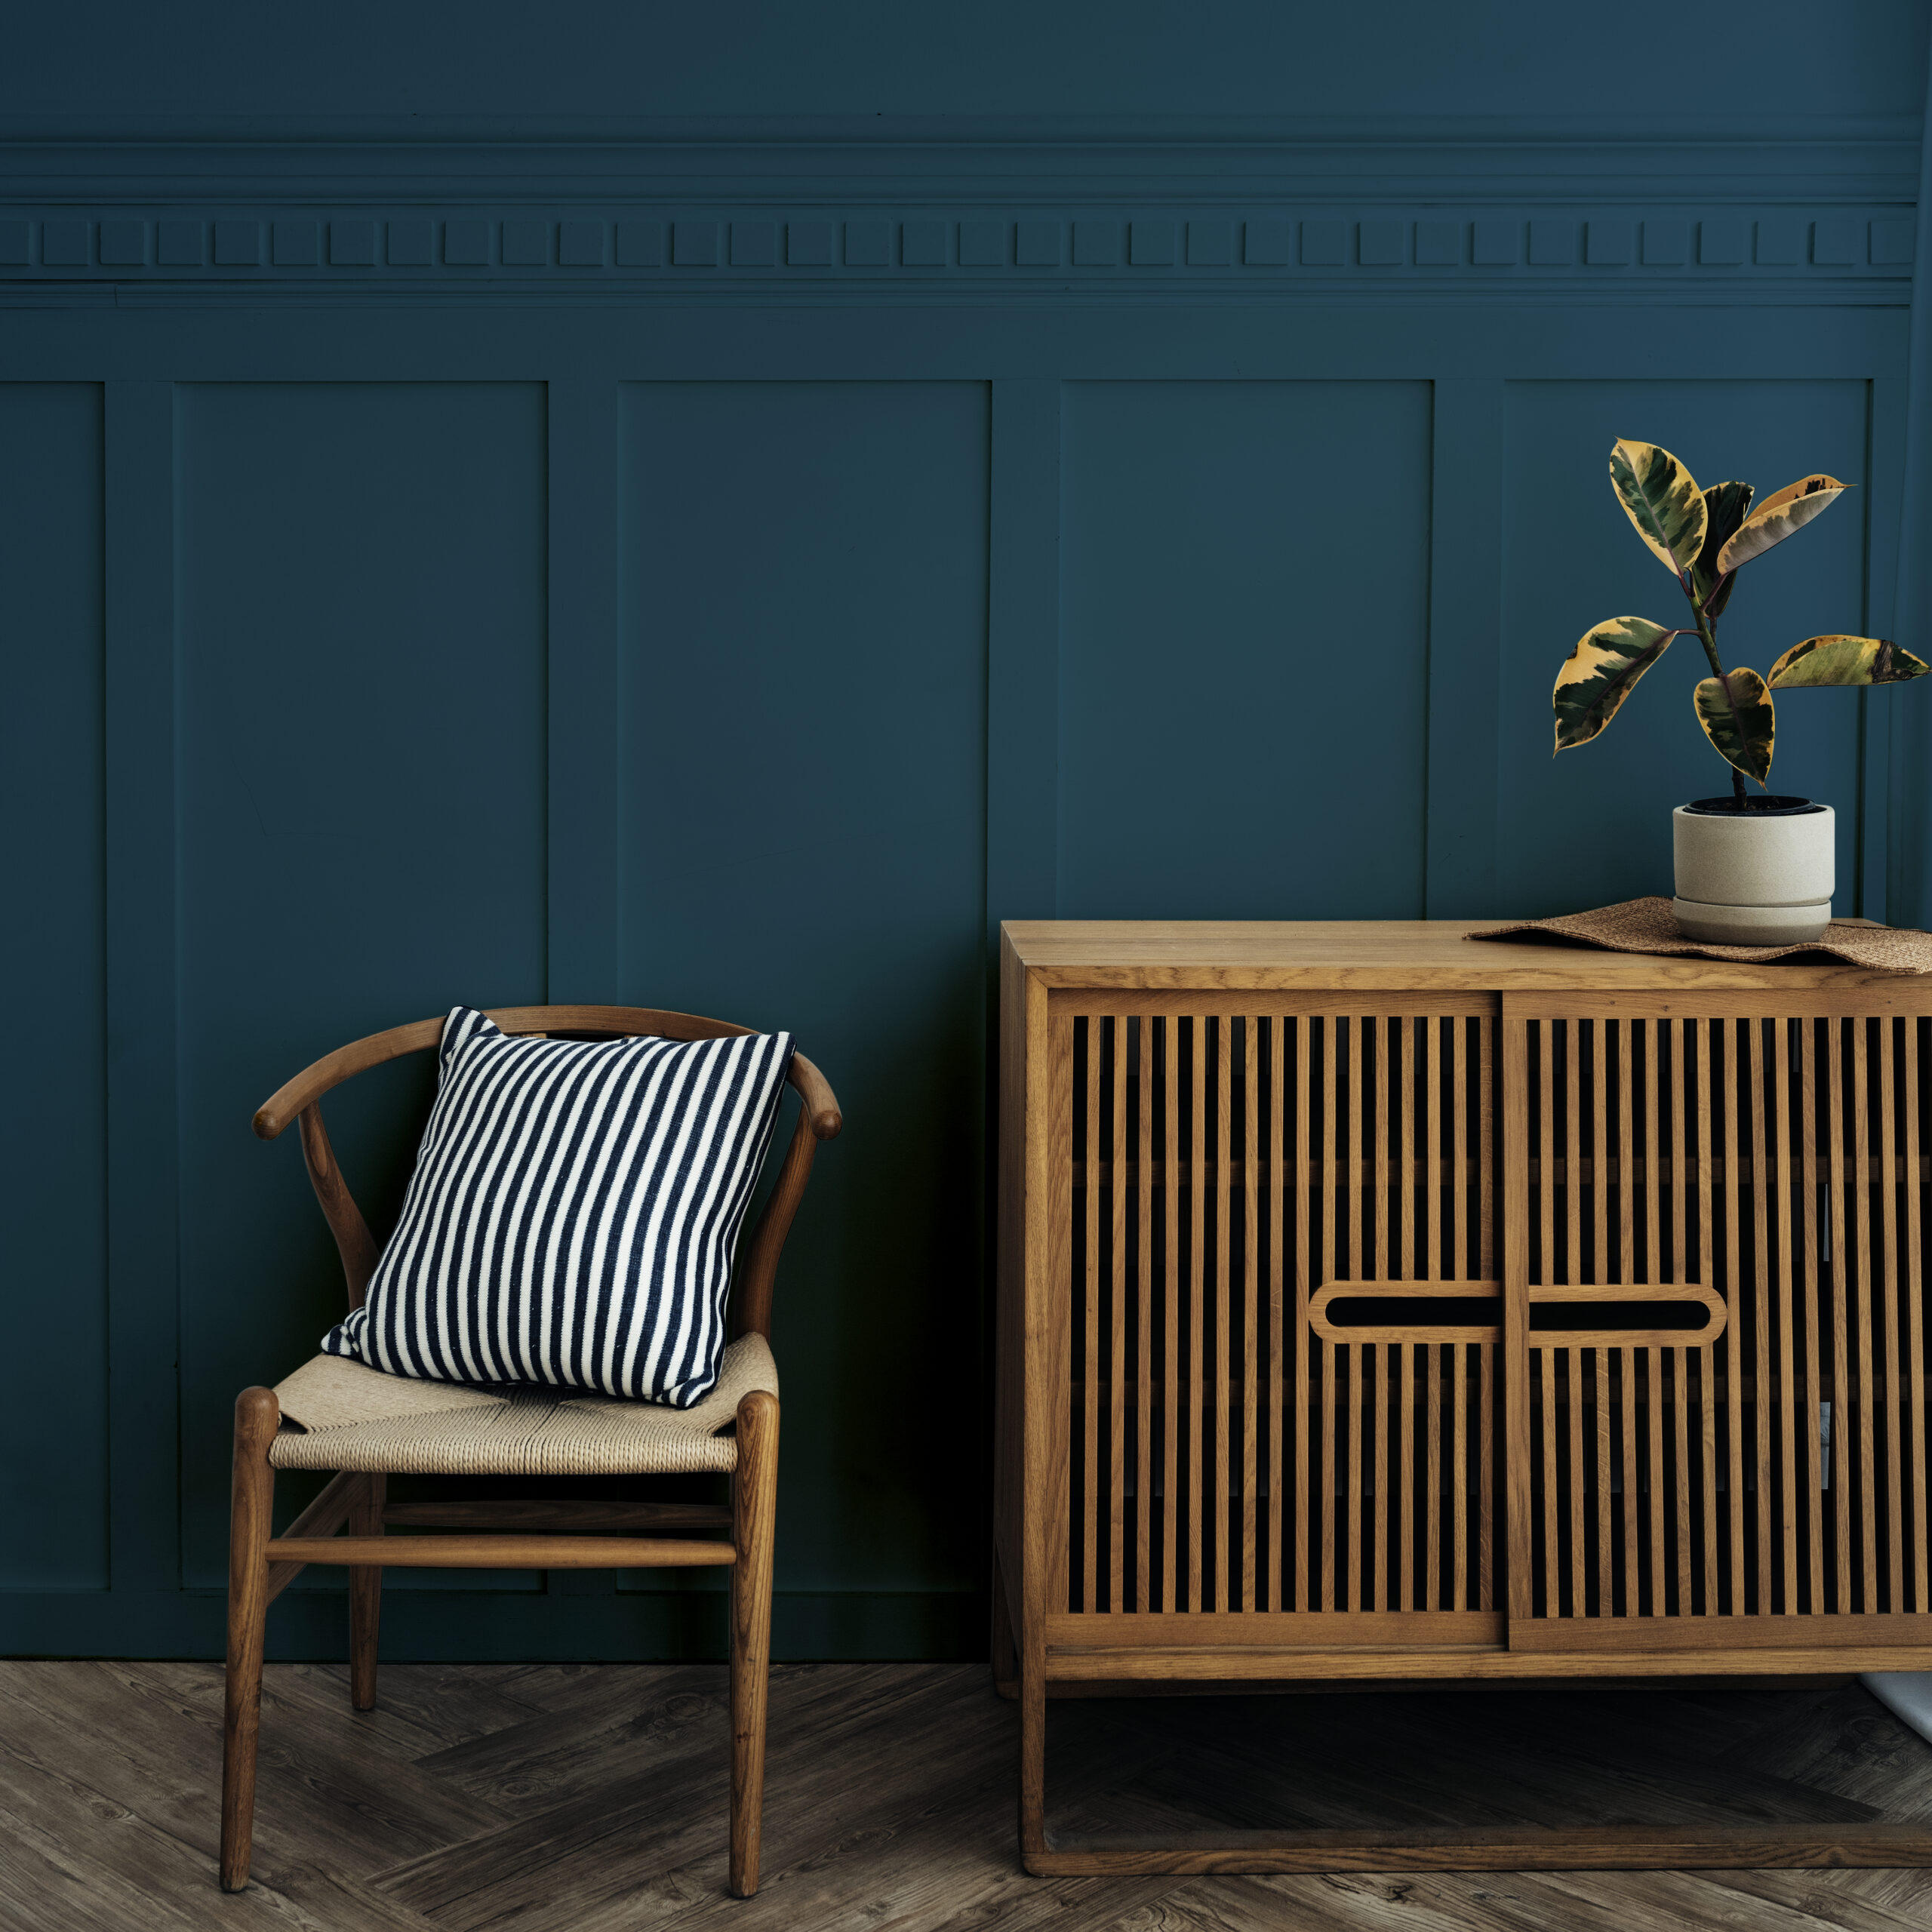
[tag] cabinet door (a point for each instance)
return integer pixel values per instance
(1716, 1336)
(1283, 1321)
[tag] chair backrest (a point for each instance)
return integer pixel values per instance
(757, 1271)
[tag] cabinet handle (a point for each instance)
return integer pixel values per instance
(1677, 1315)
(1350, 1312)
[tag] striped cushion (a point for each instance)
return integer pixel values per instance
(573, 1213)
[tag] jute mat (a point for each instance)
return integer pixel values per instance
(1648, 925)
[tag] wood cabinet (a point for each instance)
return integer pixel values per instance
(1378, 1305)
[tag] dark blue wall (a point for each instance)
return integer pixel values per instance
(717, 507)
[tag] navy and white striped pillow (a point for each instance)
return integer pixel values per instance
(573, 1213)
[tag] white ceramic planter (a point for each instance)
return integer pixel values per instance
(1759, 877)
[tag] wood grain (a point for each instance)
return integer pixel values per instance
(1198, 1499)
(1171, 1577)
(1764, 1495)
(257, 1418)
(1289, 1353)
(1916, 1391)
(1675, 1037)
(1251, 1309)
(1886, 1283)
(1145, 1302)
(1459, 1849)
(1730, 1102)
(1843, 1413)
(1327, 1352)
(494, 1553)
(1091, 1384)
(354, 1243)
(1810, 1290)
(365, 1592)
(1117, 1301)
(1326, 1131)
(1517, 1449)
(1387, 955)
(754, 1517)
(889, 1802)
(326, 1514)
(1209, 1663)
(1864, 1411)
(1218, 1501)
(1785, 1265)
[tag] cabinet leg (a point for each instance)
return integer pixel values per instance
(1032, 1760)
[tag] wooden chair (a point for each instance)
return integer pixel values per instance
(550, 1535)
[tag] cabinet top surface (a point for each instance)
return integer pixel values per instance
(1385, 954)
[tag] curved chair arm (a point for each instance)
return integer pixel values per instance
(293, 1099)
(821, 1104)
(819, 1119)
(332, 1070)
(757, 1273)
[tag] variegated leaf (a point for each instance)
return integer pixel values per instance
(1777, 516)
(1725, 505)
(1601, 672)
(1661, 498)
(1738, 718)
(1845, 660)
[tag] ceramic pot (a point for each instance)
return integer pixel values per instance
(1762, 876)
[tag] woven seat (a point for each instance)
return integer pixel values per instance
(337, 1415)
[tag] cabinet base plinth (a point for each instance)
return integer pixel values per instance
(1512, 1848)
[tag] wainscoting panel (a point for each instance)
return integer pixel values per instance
(1244, 649)
(362, 651)
(52, 1154)
(804, 628)
(734, 571)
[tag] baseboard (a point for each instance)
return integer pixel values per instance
(484, 1626)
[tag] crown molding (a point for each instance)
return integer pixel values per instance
(1639, 209)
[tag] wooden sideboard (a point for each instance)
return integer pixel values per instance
(1378, 1305)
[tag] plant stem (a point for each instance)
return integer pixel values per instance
(1709, 637)
(1705, 632)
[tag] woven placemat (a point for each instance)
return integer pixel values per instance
(1648, 925)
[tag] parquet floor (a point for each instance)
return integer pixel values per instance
(590, 1797)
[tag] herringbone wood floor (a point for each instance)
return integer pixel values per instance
(590, 1797)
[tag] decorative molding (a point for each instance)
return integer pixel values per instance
(1715, 252)
(1636, 146)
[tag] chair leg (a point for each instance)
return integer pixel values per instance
(754, 1510)
(256, 1417)
(365, 1596)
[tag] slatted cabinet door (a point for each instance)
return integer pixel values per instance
(1378, 1306)
(1716, 1336)
(1283, 1319)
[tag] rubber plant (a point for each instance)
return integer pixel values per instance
(1704, 538)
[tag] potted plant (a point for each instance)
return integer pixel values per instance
(1750, 871)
